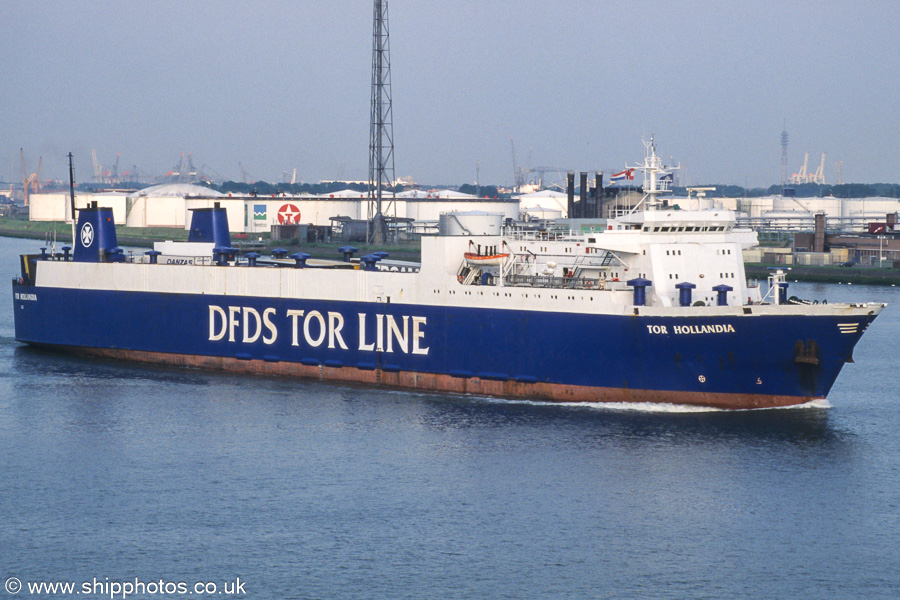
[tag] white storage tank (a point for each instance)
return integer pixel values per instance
(474, 222)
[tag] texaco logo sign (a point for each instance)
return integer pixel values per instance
(288, 214)
(87, 235)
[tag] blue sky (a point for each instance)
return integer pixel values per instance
(576, 84)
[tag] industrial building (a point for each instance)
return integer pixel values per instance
(848, 215)
(56, 206)
(168, 205)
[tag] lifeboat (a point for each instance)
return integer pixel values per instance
(485, 260)
(490, 258)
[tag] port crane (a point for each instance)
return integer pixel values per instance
(541, 175)
(31, 184)
(518, 172)
(803, 175)
(105, 176)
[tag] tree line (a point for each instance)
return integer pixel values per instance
(803, 190)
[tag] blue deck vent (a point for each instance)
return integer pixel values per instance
(640, 286)
(95, 236)
(115, 255)
(347, 251)
(722, 294)
(154, 256)
(251, 258)
(369, 261)
(223, 254)
(684, 292)
(279, 253)
(300, 258)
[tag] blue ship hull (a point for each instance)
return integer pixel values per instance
(737, 361)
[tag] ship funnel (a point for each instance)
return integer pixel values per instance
(95, 236)
(210, 225)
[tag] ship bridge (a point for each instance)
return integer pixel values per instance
(680, 221)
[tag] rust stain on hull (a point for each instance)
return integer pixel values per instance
(434, 382)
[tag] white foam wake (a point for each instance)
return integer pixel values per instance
(651, 407)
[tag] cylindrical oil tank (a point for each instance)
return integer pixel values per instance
(475, 222)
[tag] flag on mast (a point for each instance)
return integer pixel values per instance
(627, 174)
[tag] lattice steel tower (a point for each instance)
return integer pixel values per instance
(381, 130)
(784, 145)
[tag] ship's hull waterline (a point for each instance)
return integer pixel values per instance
(434, 382)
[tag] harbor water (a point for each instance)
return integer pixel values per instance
(128, 480)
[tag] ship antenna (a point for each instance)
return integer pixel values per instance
(657, 177)
(72, 194)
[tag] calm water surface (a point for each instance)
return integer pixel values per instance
(312, 490)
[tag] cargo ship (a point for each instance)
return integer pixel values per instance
(651, 306)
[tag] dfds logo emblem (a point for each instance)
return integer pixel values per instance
(87, 235)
